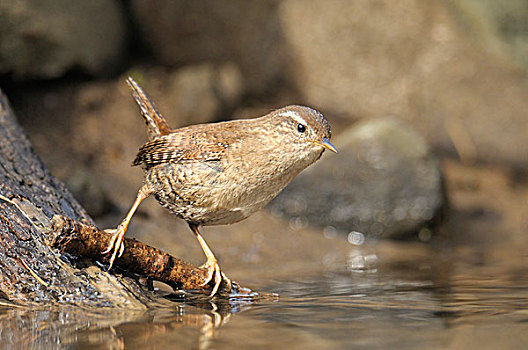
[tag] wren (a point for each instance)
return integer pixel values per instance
(221, 173)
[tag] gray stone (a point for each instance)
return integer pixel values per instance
(45, 39)
(383, 182)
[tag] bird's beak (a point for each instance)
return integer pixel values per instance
(326, 144)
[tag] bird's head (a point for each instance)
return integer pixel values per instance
(305, 132)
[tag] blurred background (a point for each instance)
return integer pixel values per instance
(427, 100)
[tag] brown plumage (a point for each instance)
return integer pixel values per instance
(220, 173)
(156, 124)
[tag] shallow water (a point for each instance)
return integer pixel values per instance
(407, 296)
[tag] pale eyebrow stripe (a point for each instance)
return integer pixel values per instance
(295, 116)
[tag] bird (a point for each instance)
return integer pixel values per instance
(221, 173)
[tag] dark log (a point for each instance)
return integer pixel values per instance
(32, 270)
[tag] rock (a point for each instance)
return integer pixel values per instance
(244, 32)
(384, 182)
(45, 39)
(413, 60)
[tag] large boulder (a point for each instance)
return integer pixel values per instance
(45, 39)
(384, 182)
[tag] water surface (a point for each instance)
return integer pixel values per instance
(406, 296)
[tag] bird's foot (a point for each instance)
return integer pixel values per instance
(214, 272)
(116, 245)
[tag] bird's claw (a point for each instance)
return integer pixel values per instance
(213, 271)
(116, 245)
(121, 249)
(112, 240)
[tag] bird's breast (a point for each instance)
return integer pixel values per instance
(222, 191)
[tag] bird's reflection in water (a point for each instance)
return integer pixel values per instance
(192, 324)
(188, 324)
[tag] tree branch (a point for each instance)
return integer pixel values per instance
(80, 239)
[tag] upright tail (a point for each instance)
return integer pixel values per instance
(156, 124)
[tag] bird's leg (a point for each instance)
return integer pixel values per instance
(116, 243)
(211, 264)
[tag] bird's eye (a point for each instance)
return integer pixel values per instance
(301, 128)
